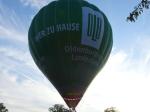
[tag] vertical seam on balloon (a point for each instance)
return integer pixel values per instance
(109, 45)
(68, 34)
(33, 44)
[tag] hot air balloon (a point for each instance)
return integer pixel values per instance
(70, 41)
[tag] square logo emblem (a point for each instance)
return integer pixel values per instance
(92, 27)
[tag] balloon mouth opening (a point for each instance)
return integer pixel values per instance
(72, 102)
(72, 99)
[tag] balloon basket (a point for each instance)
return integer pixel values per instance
(73, 110)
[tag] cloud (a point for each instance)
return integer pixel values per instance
(20, 63)
(12, 34)
(123, 83)
(35, 3)
(143, 47)
(11, 25)
(13, 44)
(26, 96)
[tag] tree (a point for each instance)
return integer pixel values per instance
(58, 108)
(111, 109)
(138, 10)
(3, 108)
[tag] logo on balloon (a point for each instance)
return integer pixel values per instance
(93, 27)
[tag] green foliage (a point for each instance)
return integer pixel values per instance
(3, 108)
(58, 108)
(111, 109)
(138, 10)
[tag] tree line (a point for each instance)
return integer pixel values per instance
(57, 108)
(61, 108)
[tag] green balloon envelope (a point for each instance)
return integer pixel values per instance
(70, 41)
